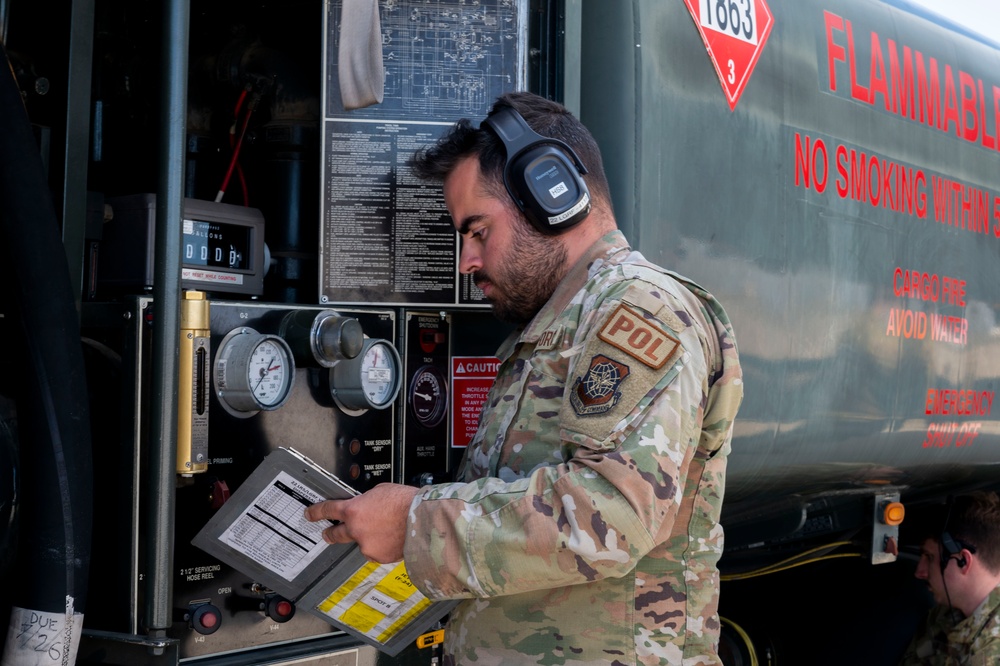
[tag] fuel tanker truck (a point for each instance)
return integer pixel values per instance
(199, 196)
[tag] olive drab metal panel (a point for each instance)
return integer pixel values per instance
(846, 211)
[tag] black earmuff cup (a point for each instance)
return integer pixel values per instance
(548, 189)
(543, 176)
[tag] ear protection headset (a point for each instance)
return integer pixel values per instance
(546, 185)
(953, 547)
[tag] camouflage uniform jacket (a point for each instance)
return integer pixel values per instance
(975, 641)
(948, 640)
(929, 646)
(584, 526)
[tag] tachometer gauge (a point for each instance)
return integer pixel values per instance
(253, 372)
(369, 381)
(428, 396)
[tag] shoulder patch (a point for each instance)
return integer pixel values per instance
(638, 337)
(598, 391)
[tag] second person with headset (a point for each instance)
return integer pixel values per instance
(960, 564)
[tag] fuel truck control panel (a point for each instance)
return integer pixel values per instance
(254, 377)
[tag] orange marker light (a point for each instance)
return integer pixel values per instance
(893, 513)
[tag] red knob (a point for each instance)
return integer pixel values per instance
(279, 608)
(206, 619)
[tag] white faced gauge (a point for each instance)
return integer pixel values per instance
(428, 396)
(253, 372)
(369, 381)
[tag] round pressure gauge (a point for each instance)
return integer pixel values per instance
(253, 372)
(368, 381)
(428, 396)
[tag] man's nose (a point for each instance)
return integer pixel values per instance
(921, 571)
(469, 259)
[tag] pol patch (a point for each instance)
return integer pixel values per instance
(638, 337)
(597, 392)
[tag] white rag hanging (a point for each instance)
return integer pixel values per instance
(359, 59)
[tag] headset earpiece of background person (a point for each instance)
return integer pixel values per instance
(953, 550)
(951, 546)
(545, 183)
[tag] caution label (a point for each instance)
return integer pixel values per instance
(471, 380)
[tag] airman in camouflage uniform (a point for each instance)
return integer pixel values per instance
(963, 629)
(583, 524)
(946, 640)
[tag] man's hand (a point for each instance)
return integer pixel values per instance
(376, 520)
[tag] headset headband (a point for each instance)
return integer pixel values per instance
(517, 136)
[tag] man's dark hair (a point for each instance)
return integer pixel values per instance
(548, 118)
(975, 522)
(971, 519)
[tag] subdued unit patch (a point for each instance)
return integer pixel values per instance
(597, 392)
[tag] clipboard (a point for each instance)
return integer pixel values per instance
(262, 532)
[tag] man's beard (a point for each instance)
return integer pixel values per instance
(528, 275)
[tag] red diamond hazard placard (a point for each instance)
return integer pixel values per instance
(734, 32)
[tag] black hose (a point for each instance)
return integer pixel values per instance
(52, 407)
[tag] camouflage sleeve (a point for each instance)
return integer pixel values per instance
(990, 657)
(986, 652)
(618, 489)
(976, 639)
